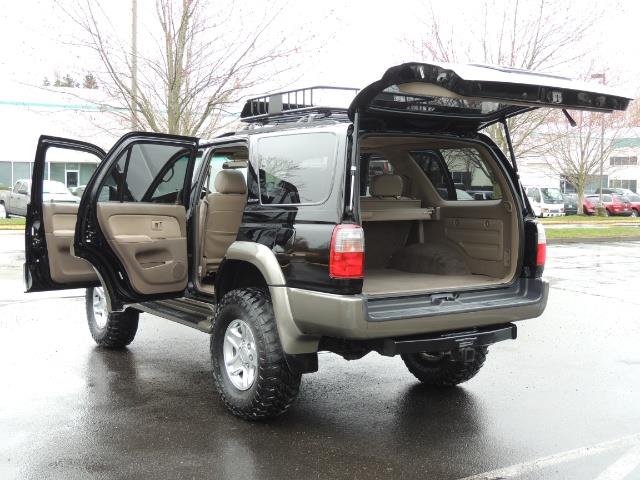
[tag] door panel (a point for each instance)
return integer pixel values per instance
(132, 221)
(49, 231)
(151, 242)
(59, 227)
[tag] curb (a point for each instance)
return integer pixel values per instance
(560, 241)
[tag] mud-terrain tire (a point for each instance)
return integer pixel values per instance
(109, 330)
(444, 369)
(254, 382)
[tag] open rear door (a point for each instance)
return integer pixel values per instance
(60, 165)
(133, 218)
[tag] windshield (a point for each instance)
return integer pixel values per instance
(551, 195)
(51, 186)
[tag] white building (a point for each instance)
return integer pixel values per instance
(620, 168)
(26, 112)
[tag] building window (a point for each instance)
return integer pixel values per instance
(628, 184)
(623, 161)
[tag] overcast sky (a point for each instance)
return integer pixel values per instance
(365, 37)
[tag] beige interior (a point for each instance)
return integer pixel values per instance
(59, 227)
(224, 209)
(454, 245)
(150, 240)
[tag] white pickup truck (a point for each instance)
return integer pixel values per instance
(15, 201)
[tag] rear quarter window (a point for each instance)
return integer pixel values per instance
(296, 169)
(459, 173)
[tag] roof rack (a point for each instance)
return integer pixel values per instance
(298, 105)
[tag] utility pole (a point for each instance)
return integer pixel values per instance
(134, 64)
(601, 76)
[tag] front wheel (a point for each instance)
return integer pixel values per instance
(446, 369)
(109, 329)
(634, 213)
(249, 367)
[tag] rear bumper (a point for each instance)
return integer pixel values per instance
(357, 317)
(446, 342)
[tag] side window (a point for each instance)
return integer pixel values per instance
(66, 173)
(296, 169)
(471, 174)
(225, 158)
(147, 172)
(534, 194)
(432, 164)
(459, 173)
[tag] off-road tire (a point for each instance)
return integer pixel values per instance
(445, 370)
(119, 330)
(275, 386)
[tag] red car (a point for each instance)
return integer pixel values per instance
(615, 204)
(588, 208)
(634, 199)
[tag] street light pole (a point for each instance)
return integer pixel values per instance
(601, 76)
(134, 64)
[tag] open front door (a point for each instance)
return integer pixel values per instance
(133, 218)
(52, 212)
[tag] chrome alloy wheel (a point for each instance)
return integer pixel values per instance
(240, 355)
(100, 313)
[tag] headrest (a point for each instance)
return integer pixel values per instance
(386, 186)
(230, 181)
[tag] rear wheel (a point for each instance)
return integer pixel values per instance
(109, 329)
(634, 213)
(446, 369)
(249, 368)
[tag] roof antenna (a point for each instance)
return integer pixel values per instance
(570, 119)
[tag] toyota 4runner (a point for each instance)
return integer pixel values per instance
(393, 225)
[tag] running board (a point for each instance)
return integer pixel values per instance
(187, 312)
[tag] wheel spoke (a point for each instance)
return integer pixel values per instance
(240, 355)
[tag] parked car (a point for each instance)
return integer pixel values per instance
(634, 200)
(78, 191)
(571, 205)
(15, 201)
(614, 204)
(292, 248)
(617, 191)
(545, 201)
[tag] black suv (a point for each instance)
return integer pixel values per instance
(315, 228)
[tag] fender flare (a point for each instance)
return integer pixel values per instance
(293, 341)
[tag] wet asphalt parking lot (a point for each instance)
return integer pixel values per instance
(562, 401)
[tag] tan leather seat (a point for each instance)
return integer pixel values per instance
(386, 186)
(224, 215)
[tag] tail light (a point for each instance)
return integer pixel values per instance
(541, 251)
(535, 249)
(346, 258)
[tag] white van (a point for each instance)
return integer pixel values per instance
(546, 201)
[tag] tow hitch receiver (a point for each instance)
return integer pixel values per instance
(451, 341)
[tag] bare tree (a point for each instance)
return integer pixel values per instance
(196, 63)
(543, 35)
(575, 152)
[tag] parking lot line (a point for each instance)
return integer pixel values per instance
(622, 467)
(568, 456)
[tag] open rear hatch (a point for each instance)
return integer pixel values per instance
(450, 96)
(421, 234)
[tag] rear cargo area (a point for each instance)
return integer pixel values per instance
(417, 241)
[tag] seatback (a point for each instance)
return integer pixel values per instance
(383, 238)
(224, 215)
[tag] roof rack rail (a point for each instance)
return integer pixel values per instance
(297, 105)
